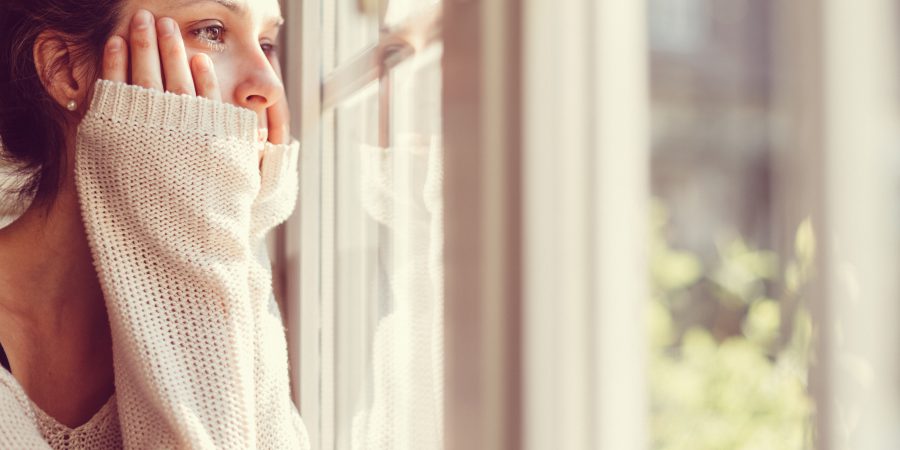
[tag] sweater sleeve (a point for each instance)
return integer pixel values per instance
(167, 186)
(279, 423)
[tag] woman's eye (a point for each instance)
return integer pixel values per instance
(211, 35)
(268, 48)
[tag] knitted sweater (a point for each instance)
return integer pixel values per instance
(176, 206)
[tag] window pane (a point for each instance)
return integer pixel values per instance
(359, 286)
(389, 264)
(360, 22)
(729, 325)
(356, 30)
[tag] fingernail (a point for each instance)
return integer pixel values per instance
(207, 61)
(143, 17)
(114, 44)
(203, 61)
(166, 26)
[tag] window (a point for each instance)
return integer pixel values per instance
(596, 224)
(371, 276)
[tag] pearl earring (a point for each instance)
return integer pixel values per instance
(72, 106)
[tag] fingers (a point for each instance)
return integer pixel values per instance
(279, 122)
(145, 67)
(205, 77)
(279, 116)
(158, 59)
(115, 60)
(177, 74)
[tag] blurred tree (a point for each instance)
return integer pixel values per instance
(742, 387)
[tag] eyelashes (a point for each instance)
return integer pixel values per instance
(213, 37)
(269, 48)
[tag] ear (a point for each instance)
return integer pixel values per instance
(64, 78)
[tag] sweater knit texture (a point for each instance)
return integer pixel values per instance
(177, 205)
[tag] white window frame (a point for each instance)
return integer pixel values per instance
(301, 247)
(546, 185)
(587, 202)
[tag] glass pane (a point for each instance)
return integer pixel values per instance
(731, 260)
(356, 31)
(359, 286)
(359, 22)
(389, 263)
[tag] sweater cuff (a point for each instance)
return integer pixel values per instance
(278, 161)
(278, 187)
(122, 103)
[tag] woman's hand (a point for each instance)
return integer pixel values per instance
(154, 55)
(279, 116)
(157, 53)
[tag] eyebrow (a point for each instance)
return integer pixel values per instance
(234, 7)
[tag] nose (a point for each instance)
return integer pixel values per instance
(259, 86)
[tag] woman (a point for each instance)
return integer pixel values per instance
(136, 307)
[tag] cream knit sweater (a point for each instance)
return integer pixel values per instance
(176, 207)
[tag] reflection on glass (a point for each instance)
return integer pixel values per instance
(356, 30)
(389, 273)
(360, 23)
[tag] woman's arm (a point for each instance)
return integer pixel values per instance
(172, 196)
(166, 185)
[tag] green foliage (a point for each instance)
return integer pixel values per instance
(743, 271)
(746, 390)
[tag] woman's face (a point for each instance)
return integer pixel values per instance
(240, 37)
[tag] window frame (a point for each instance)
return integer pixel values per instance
(507, 299)
(495, 234)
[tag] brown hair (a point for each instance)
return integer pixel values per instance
(32, 123)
